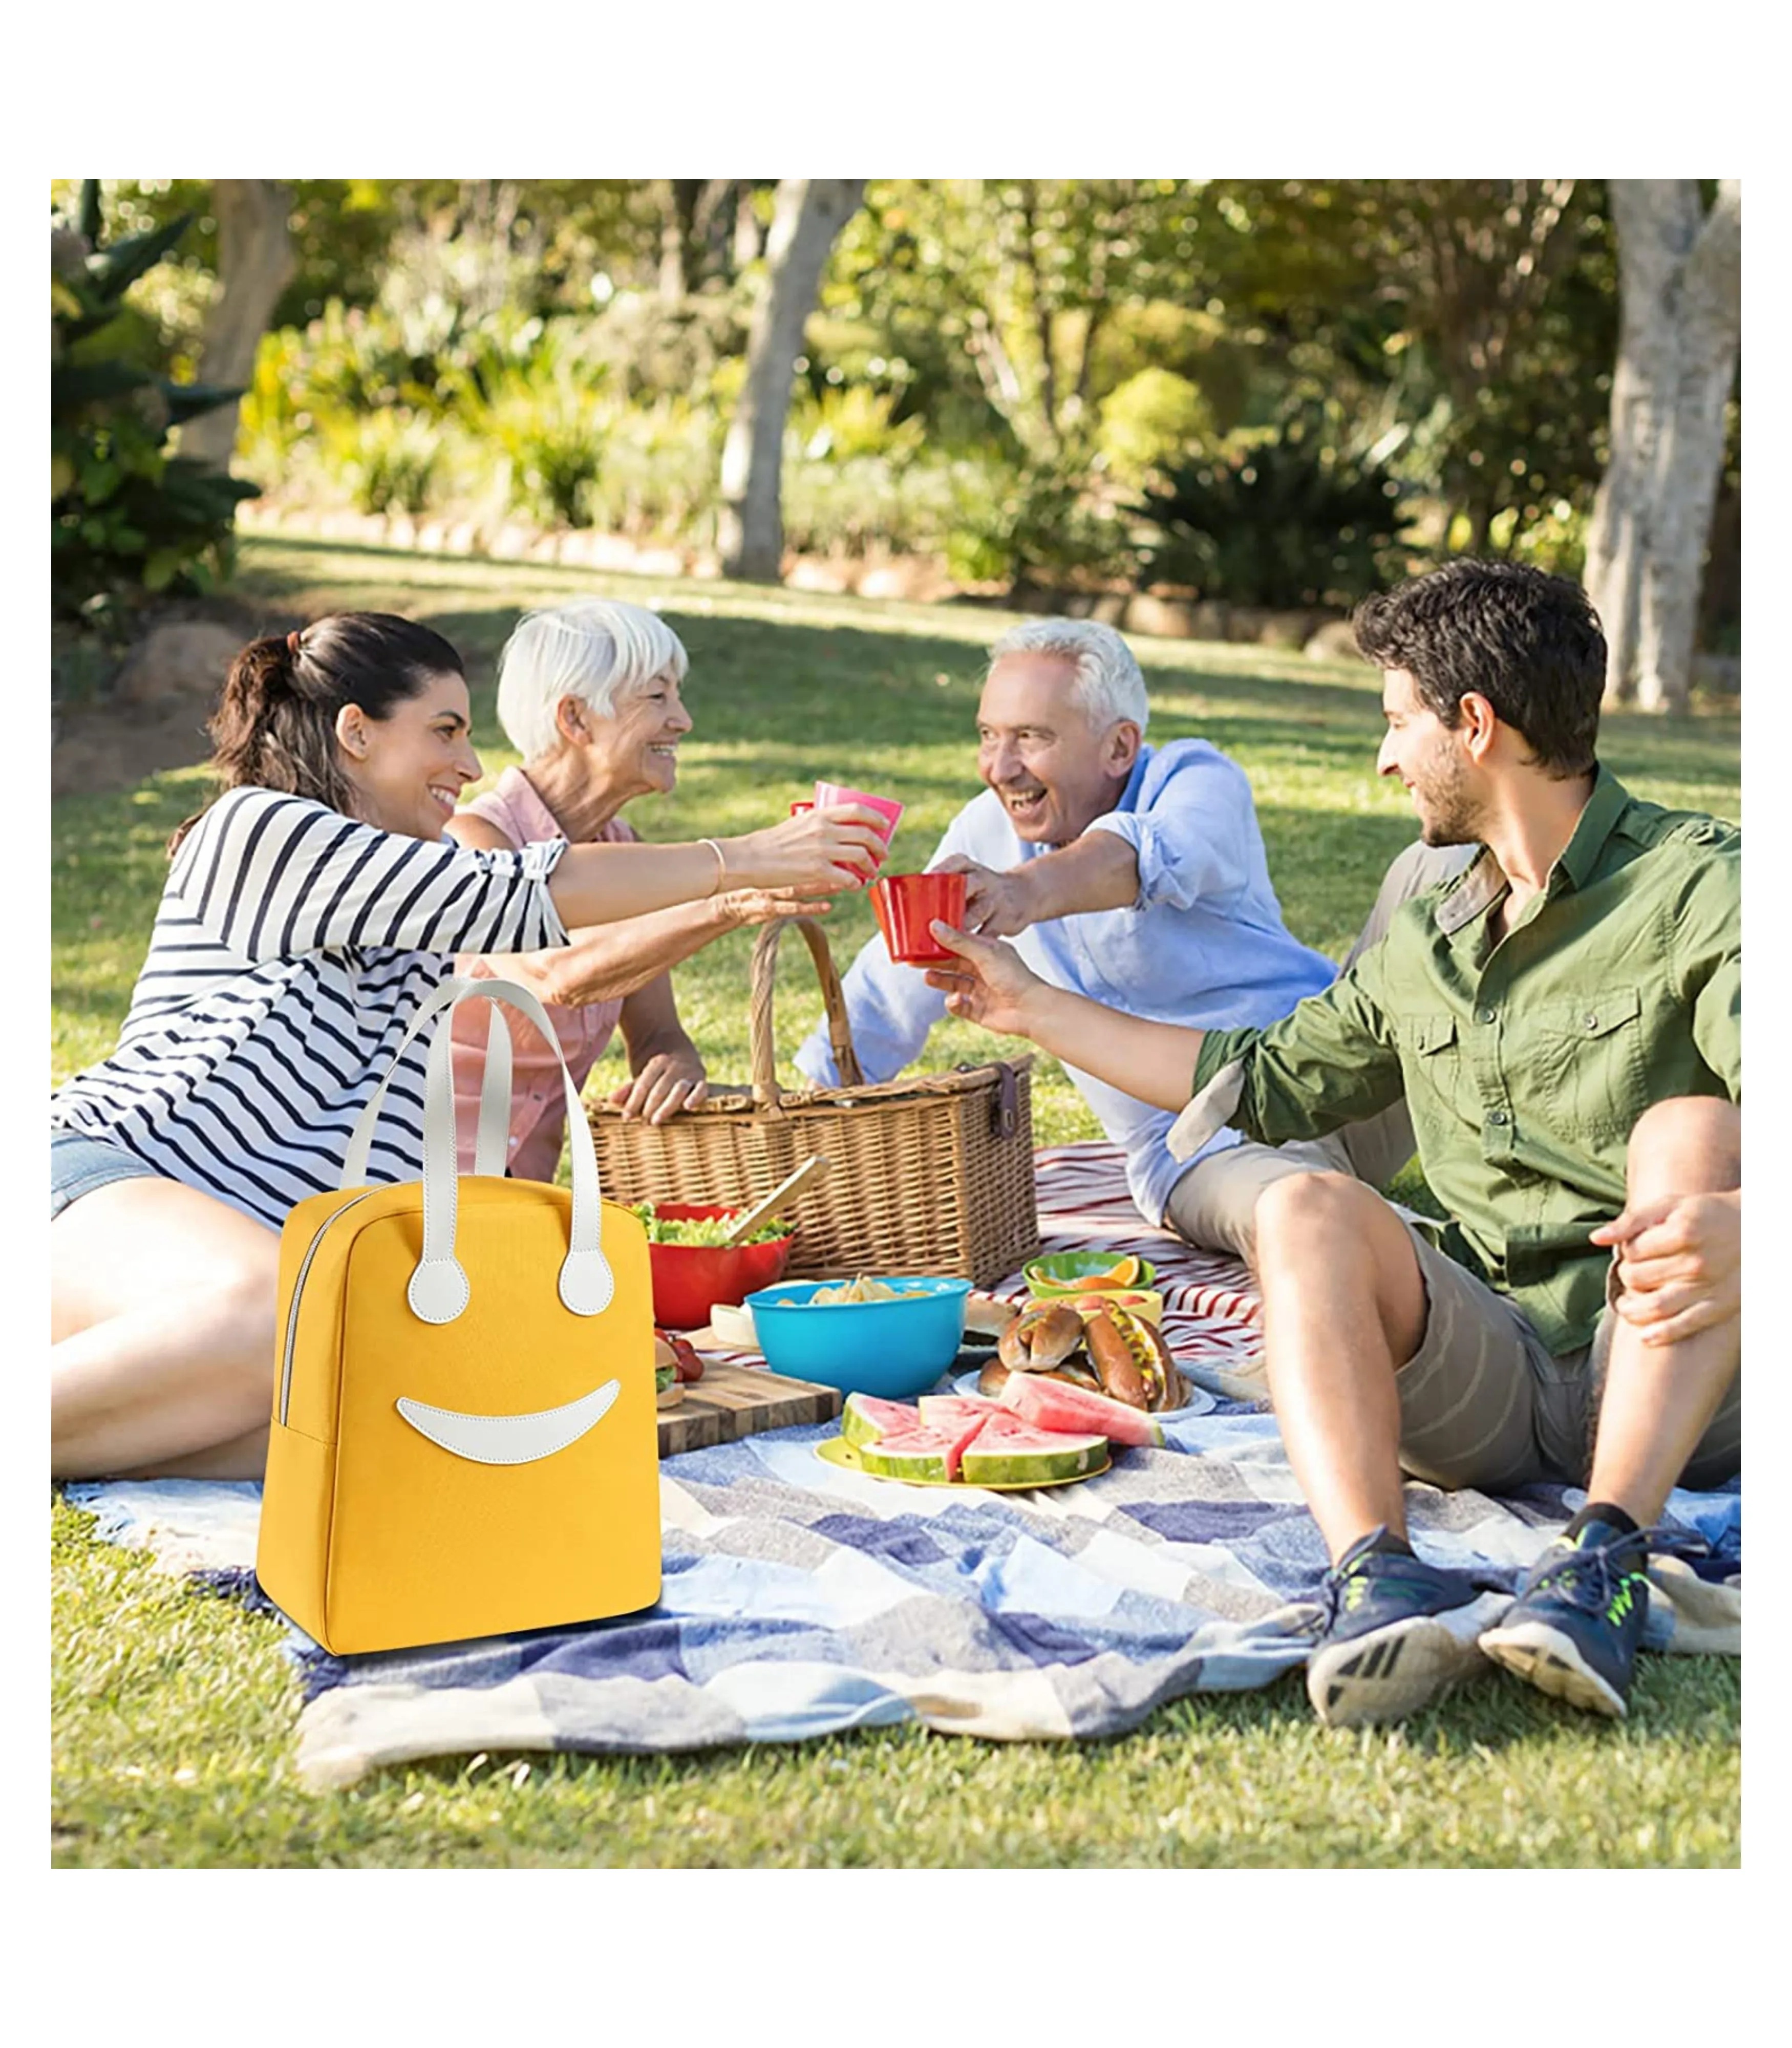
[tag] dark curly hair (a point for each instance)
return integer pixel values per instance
(1529, 643)
(275, 725)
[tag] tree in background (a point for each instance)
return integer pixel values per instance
(255, 263)
(1016, 300)
(709, 232)
(809, 213)
(127, 517)
(994, 374)
(1680, 289)
(1477, 313)
(1087, 333)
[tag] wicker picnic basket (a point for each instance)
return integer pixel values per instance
(929, 1174)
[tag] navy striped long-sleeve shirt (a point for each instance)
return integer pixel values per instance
(292, 949)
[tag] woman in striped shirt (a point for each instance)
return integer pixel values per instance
(308, 912)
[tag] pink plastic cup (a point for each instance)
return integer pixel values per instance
(905, 906)
(885, 807)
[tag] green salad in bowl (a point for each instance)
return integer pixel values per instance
(693, 1270)
(705, 1230)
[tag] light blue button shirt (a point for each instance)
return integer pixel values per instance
(1204, 944)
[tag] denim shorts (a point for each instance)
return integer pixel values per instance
(79, 1163)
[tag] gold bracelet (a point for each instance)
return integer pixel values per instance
(721, 864)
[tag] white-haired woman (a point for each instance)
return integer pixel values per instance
(588, 693)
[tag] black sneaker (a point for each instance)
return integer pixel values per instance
(1398, 1632)
(1573, 1630)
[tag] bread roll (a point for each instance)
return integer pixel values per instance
(984, 1316)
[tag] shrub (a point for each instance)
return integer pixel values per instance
(348, 363)
(391, 461)
(841, 423)
(531, 397)
(1550, 538)
(126, 516)
(660, 465)
(1044, 523)
(1292, 520)
(1148, 419)
(866, 504)
(386, 402)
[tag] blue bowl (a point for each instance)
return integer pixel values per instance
(893, 1350)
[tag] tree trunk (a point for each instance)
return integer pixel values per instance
(1720, 597)
(1041, 313)
(693, 235)
(746, 247)
(1680, 292)
(254, 266)
(712, 222)
(678, 203)
(810, 213)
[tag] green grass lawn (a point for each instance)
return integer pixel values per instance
(174, 1713)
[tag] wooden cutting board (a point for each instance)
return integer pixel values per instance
(732, 1401)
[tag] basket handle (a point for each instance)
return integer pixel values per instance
(1005, 1111)
(1007, 1101)
(766, 1090)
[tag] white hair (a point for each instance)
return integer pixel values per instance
(591, 649)
(1108, 685)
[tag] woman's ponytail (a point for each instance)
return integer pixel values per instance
(261, 677)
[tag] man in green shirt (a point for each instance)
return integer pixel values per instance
(1564, 1019)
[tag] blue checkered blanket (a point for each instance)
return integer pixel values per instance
(800, 1599)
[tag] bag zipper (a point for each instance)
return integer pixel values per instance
(298, 1289)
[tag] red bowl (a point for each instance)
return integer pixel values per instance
(690, 1279)
(907, 904)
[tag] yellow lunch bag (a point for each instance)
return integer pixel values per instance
(464, 1439)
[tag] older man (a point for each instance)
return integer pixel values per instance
(1132, 873)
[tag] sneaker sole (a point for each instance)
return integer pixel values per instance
(1547, 1659)
(1391, 1674)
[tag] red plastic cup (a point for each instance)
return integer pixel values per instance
(887, 807)
(905, 906)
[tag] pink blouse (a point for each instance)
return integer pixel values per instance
(537, 1099)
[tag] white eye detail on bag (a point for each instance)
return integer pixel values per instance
(510, 1440)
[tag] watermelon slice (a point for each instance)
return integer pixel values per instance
(1050, 1404)
(943, 1411)
(931, 1453)
(917, 1454)
(1018, 1457)
(864, 1419)
(1005, 1422)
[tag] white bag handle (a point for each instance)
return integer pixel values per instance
(439, 1289)
(492, 1147)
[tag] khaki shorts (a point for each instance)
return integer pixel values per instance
(1483, 1404)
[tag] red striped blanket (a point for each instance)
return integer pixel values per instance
(1211, 1311)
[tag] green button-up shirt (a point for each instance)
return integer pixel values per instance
(1526, 1063)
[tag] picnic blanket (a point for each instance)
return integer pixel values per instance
(800, 1599)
